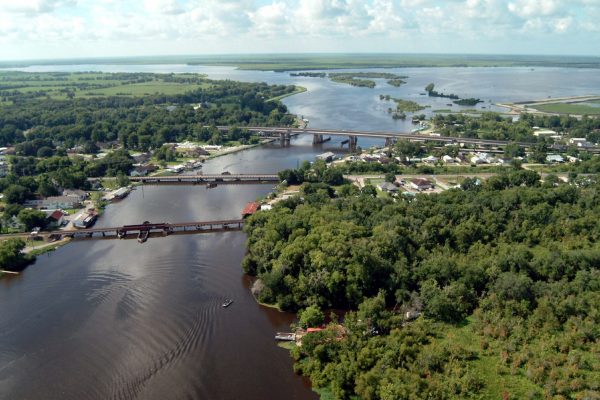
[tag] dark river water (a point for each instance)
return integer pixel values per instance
(115, 319)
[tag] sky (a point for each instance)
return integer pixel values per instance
(47, 29)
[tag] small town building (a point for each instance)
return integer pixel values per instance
(388, 187)
(143, 170)
(250, 209)
(555, 158)
(327, 157)
(430, 160)
(76, 193)
(141, 158)
(55, 218)
(448, 159)
(54, 202)
(420, 184)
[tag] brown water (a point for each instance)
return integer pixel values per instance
(115, 319)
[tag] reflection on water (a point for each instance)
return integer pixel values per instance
(112, 319)
(118, 319)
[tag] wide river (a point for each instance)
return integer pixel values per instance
(115, 319)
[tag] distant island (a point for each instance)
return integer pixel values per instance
(359, 79)
(461, 102)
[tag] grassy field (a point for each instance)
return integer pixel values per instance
(568, 108)
(299, 89)
(58, 85)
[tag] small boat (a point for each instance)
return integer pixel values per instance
(285, 336)
(211, 185)
(227, 303)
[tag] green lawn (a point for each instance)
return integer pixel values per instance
(86, 85)
(568, 108)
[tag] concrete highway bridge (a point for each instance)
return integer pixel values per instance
(285, 133)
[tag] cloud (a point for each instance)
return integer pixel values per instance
(297, 25)
(31, 7)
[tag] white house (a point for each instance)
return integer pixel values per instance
(420, 184)
(54, 202)
(555, 158)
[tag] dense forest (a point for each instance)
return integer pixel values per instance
(138, 123)
(503, 273)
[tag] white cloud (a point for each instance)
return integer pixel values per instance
(297, 25)
(33, 6)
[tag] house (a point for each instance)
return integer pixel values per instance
(449, 160)
(143, 170)
(387, 187)
(544, 132)
(420, 184)
(55, 218)
(327, 157)
(555, 158)
(572, 159)
(54, 202)
(141, 158)
(77, 193)
(581, 142)
(430, 160)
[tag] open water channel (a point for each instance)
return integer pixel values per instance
(115, 319)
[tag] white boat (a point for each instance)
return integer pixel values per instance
(227, 303)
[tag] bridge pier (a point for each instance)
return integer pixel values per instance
(352, 142)
(317, 139)
(285, 137)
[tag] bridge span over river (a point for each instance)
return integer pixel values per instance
(319, 136)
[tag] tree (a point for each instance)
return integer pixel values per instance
(11, 255)
(16, 194)
(311, 316)
(32, 218)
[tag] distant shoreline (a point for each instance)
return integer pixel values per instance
(297, 62)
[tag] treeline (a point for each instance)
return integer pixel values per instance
(12, 257)
(504, 273)
(139, 123)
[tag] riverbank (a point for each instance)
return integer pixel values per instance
(299, 89)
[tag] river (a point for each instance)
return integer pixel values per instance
(115, 319)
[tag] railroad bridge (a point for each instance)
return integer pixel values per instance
(145, 230)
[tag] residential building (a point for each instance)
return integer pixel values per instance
(420, 184)
(388, 187)
(54, 202)
(327, 157)
(55, 218)
(555, 158)
(77, 193)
